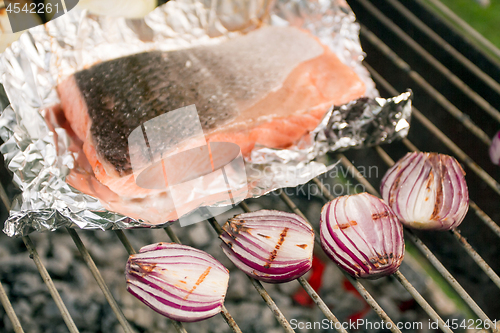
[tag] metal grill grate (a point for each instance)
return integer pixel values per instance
(447, 80)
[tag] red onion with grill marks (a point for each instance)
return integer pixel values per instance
(177, 281)
(427, 191)
(269, 245)
(495, 149)
(362, 235)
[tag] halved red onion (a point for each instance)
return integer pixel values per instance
(427, 191)
(362, 235)
(495, 149)
(269, 245)
(177, 281)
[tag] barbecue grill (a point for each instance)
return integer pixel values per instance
(456, 101)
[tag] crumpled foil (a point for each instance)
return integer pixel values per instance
(32, 67)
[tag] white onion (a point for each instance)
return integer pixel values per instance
(362, 235)
(269, 245)
(427, 191)
(177, 281)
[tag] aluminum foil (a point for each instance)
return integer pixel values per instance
(40, 157)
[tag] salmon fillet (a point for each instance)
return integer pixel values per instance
(269, 87)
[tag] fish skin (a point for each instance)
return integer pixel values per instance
(142, 95)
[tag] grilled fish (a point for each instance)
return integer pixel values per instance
(269, 88)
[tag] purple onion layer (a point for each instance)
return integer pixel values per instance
(427, 191)
(269, 245)
(362, 235)
(177, 281)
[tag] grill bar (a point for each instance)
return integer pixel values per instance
(419, 244)
(225, 314)
(100, 281)
(130, 249)
(321, 304)
(277, 312)
(486, 219)
(477, 258)
(407, 285)
(126, 243)
(372, 302)
(307, 287)
(4, 198)
(258, 286)
(4, 299)
(454, 17)
(447, 105)
(50, 285)
(448, 143)
(359, 287)
(230, 320)
(435, 262)
(479, 212)
(447, 275)
(468, 248)
(433, 61)
(463, 118)
(450, 49)
(178, 326)
(45, 277)
(423, 303)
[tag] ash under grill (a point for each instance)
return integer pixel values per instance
(456, 107)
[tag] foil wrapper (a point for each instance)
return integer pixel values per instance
(40, 157)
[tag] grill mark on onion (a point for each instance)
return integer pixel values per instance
(287, 274)
(178, 292)
(237, 227)
(265, 236)
(377, 216)
(276, 248)
(147, 268)
(244, 245)
(257, 267)
(439, 193)
(345, 225)
(199, 281)
(247, 244)
(167, 290)
(302, 246)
